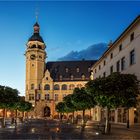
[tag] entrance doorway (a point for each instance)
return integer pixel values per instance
(47, 112)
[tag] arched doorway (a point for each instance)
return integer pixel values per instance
(47, 112)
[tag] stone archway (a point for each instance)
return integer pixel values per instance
(47, 111)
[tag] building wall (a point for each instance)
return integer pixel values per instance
(121, 115)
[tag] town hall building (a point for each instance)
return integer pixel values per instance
(47, 83)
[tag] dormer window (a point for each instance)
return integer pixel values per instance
(71, 77)
(67, 70)
(46, 78)
(77, 69)
(83, 77)
(60, 77)
(89, 69)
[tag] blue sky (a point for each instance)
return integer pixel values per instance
(65, 26)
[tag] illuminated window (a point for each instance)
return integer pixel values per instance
(71, 87)
(64, 87)
(47, 87)
(83, 77)
(32, 86)
(56, 87)
(47, 97)
(56, 97)
(31, 97)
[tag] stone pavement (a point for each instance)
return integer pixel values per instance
(54, 130)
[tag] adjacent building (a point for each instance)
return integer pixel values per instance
(123, 55)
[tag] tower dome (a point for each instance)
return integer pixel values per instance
(36, 36)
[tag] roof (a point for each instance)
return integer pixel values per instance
(118, 39)
(36, 24)
(36, 37)
(58, 69)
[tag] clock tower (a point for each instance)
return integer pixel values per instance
(35, 64)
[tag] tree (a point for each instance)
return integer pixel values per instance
(69, 106)
(8, 97)
(82, 101)
(116, 90)
(60, 107)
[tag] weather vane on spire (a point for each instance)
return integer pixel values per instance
(36, 14)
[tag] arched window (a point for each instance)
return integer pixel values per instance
(64, 87)
(79, 85)
(71, 87)
(56, 87)
(83, 77)
(32, 86)
(33, 46)
(47, 87)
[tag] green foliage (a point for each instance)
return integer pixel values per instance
(60, 107)
(8, 97)
(82, 100)
(116, 90)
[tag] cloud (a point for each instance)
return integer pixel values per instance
(91, 53)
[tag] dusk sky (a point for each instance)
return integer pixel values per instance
(65, 26)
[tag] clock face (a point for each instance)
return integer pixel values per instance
(32, 56)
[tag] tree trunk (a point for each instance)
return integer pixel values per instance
(16, 117)
(3, 121)
(107, 125)
(83, 118)
(73, 117)
(128, 118)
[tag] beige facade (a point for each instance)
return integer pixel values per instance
(42, 90)
(122, 56)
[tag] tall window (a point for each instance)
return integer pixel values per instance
(132, 37)
(120, 47)
(32, 86)
(132, 57)
(118, 66)
(104, 74)
(47, 97)
(111, 55)
(104, 62)
(95, 70)
(64, 87)
(123, 63)
(38, 96)
(99, 67)
(56, 97)
(31, 97)
(111, 69)
(71, 87)
(47, 87)
(56, 87)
